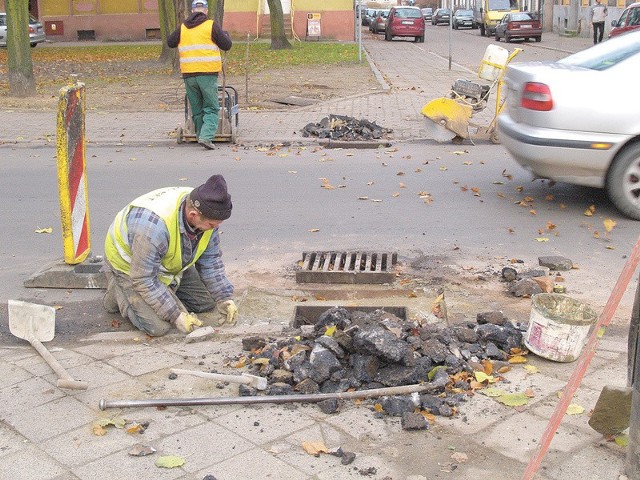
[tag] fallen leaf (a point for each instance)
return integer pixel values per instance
(575, 409)
(363, 198)
(513, 399)
(504, 369)
(140, 450)
(169, 461)
(314, 230)
(493, 392)
(609, 224)
(135, 428)
(402, 185)
(378, 408)
(488, 366)
(395, 195)
(433, 371)
(533, 212)
(529, 393)
(260, 361)
(596, 234)
(549, 198)
(459, 152)
(293, 171)
(315, 448)
(622, 440)
(590, 211)
(531, 369)
(330, 331)
(400, 173)
(483, 377)
(517, 359)
(443, 168)
(429, 416)
(542, 239)
(44, 230)
(550, 226)
(98, 430)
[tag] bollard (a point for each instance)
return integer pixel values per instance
(72, 177)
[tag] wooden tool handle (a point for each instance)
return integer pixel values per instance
(65, 380)
(213, 376)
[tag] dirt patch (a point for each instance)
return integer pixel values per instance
(144, 87)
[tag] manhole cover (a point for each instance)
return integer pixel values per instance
(347, 267)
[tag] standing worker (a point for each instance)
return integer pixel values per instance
(164, 261)
(598, 14)
(199, 41)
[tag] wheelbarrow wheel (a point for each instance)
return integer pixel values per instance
(494, 138)
(179, 135)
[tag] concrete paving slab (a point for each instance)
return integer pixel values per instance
(144, 361)
(67, 358)
(27, 395)
(573, 468)
(30, 463)
(263, 424)
(10, 441)
(584, 397)
(478, 413)
(122, 465)
(517, 436)
(12, 373)
(110, 349)
(606, 374)
(255, 463)
(361, 423)
(36, 423)
(203, 446)
(80, 446)
(361, 465)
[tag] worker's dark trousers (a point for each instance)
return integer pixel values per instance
(598, 32)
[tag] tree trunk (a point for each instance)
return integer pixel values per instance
(22, 83)
(168, 23)
(218, 16)
(278, 35)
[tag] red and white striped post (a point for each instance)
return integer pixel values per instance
(72, 175)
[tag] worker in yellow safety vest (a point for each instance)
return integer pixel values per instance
(199, 41)
(163, 259)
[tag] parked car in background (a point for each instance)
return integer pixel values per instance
(463, 18)
(378, 24)
(441, 16)
(524, 25)
(405, 22)
(368, 15)
(629, 20)
(36, 31)
(427, 14)
(556, 126)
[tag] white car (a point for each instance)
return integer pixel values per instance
(575, 121)
(36, 31)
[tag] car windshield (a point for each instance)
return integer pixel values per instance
(444, 11)
(503, 5)
(464, 13)
(606, 54)
(427, 10)
(520, 17)
(408, 13)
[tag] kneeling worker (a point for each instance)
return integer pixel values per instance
(164, 259)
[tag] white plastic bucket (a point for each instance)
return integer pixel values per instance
(493, 62)
(558, 326)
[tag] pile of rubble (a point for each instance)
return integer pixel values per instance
(342, 127)
(346, 351)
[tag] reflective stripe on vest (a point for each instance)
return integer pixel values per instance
(165, 203)
(198, 53)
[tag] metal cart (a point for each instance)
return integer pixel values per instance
(227, 120)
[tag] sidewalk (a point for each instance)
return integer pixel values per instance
(48, 433)
(397, 106)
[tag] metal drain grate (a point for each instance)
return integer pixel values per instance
(347, 267)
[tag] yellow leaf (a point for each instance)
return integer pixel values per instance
(530, 369)
(378, 408)
(542, 239)
(429, 416)
(169, 461)
(444, 169)
(99, 430)
(609, 224)
(483, 377)
(492, 392)
(590, 211)
(575, 409)
(622, 440)
(488, 366)
(504, 369)
(314, 448)
(261, 361)
(330, 330)
(44, 230)
(135, 428)
(596, 234)
(513, 399)
(459, 152)
(517, 359)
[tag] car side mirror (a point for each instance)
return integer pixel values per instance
(614, 23)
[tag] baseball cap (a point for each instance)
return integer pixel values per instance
(199, 3)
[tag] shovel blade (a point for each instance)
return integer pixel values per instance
(32, 321)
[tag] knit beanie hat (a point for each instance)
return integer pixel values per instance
(212, 199)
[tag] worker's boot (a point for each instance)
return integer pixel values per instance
(110, 301)
(208, 144)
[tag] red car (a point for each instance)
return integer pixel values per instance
(405, 22)
(523, 25)
(628, 21)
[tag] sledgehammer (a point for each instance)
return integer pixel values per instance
(259, 383)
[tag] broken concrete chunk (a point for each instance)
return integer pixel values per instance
(331, 344)
(364, 367)
(495, 317)
(247, 391)
(347, 458)
(435, 350)
(414, 421)
(280, 375)
(253, 343)
(556, 262)
(382, 344)
(525, 288)
(329, 406)
(397, 405)
(200, 334)
(323, 363)
(343, 127)
(545, 283)
(307, 386)
(337, 316)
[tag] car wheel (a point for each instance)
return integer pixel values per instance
(422, 39)
(482, 30)
(507, 38)
(623, 181)
(33, 45)
(497, 37)
(539, 38)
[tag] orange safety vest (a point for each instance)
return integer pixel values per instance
(198, 53)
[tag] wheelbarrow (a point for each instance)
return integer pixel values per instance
(451, 117)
